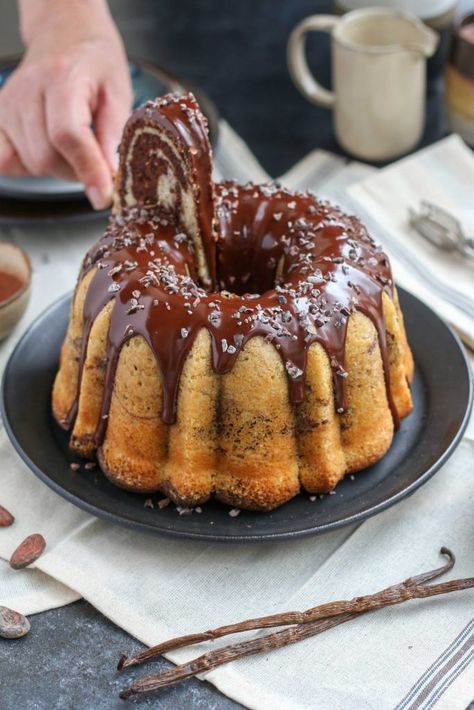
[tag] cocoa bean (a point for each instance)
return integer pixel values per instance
(13, 625)
(6, 518)
(28, 551)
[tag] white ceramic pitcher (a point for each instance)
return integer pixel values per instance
(378, 77)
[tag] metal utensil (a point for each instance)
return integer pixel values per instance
(441, 228)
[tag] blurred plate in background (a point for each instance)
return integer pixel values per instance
(148, 82)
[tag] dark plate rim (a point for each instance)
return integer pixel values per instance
(249, 537)
(37, 221)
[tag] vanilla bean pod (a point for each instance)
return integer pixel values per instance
(412, 588)
(232, 652)
(283, 619)
(278, 639)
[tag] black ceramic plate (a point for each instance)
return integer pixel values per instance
(442, 393)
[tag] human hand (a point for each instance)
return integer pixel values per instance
(74, 74)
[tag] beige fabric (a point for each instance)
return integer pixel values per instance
(442, 174)
(32, 592)
(156, 587)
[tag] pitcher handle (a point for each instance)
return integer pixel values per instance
(297, 64)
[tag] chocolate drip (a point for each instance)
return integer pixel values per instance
(314, 265)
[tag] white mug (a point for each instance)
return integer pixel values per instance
(378, 76)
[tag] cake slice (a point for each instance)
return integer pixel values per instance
(166, 166)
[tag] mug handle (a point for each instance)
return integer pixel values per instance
(297, 64)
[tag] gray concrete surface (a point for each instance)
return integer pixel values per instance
(68, 662)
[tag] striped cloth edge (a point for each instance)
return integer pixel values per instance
(442, 673)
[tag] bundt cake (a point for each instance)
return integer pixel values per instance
(236, 341)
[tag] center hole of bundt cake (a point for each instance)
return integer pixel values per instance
(244, 267)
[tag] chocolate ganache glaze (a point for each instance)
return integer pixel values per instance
(314, 264)
(283, 265)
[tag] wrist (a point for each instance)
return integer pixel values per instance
(38, 16)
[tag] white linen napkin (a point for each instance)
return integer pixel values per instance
(444, 175)
(155, 588)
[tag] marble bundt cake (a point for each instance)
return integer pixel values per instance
(242, 342)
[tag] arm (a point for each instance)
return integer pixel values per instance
(74, 72)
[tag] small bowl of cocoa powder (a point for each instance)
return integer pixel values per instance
(15, 281)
